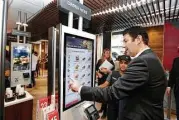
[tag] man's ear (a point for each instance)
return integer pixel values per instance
(139, 39)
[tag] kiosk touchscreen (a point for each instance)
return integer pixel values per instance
(20, 64)
(77, 64)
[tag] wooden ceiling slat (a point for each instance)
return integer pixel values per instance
(177, 15)
(88, 4)
(158, 9)
(130, 17)
(164, 9)
(170, 2)
(45, 12)
(153, 8)
(145, 14)
(42, 11)
(47, 16)
(117, 19)
(141, 15)
(136, 16)
(176, 1)
(102, 2)
(97, 3)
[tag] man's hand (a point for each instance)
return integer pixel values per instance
(168, 90)
(74, 86)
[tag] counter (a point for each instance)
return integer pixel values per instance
(19, 109)
(17, 101)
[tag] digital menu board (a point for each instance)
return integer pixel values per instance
(20, 64)
(78, 65)
(21, 57)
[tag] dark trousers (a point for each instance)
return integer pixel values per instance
(112, 112)
(104, 108)
(33, 77)
(7, 82)
(176, 92)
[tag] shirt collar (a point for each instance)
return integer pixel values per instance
(141, 52)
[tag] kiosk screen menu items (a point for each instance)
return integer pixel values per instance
(78, 65)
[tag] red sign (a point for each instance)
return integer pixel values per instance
(43, 102)
(53, 115)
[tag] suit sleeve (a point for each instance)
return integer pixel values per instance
(172, 76)
(135, 77)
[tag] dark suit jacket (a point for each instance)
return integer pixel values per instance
(144, 83)
(174, 74)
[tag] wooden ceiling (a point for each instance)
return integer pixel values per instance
(112, 15)
(98, 4)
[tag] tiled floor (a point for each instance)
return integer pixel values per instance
(40, 90)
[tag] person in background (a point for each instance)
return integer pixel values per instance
(46, 61)
(144, 81)
(102, 74)
(115, 107)
(38, 68)
(174, 82)
(34, 65)
(7, 70)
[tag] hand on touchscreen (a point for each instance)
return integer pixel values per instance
(74, 85)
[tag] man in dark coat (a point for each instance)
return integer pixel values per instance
(144, 81)
(174, 82)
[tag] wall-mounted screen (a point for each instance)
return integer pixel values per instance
(78, 65)
(21, 57)
(20, 64)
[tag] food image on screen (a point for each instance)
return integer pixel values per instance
(77, 58)
(76, 67)
(76, 76)
(83, 67)
(81, 53)
(84, 59)
(21, 58)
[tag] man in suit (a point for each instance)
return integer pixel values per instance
(144, 81)
(174, 82)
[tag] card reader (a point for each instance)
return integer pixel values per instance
(92, 113)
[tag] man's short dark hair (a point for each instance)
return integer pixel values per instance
(135, 31)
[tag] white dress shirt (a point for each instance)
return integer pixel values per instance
(34, 62)
(141, 52)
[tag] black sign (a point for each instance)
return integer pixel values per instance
(21, 33)
(75, 7)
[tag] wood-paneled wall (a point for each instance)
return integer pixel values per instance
(156, 39)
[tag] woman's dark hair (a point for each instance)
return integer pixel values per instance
(135, 31)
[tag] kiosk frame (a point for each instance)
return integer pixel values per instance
(75, 32)
(22, 76)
